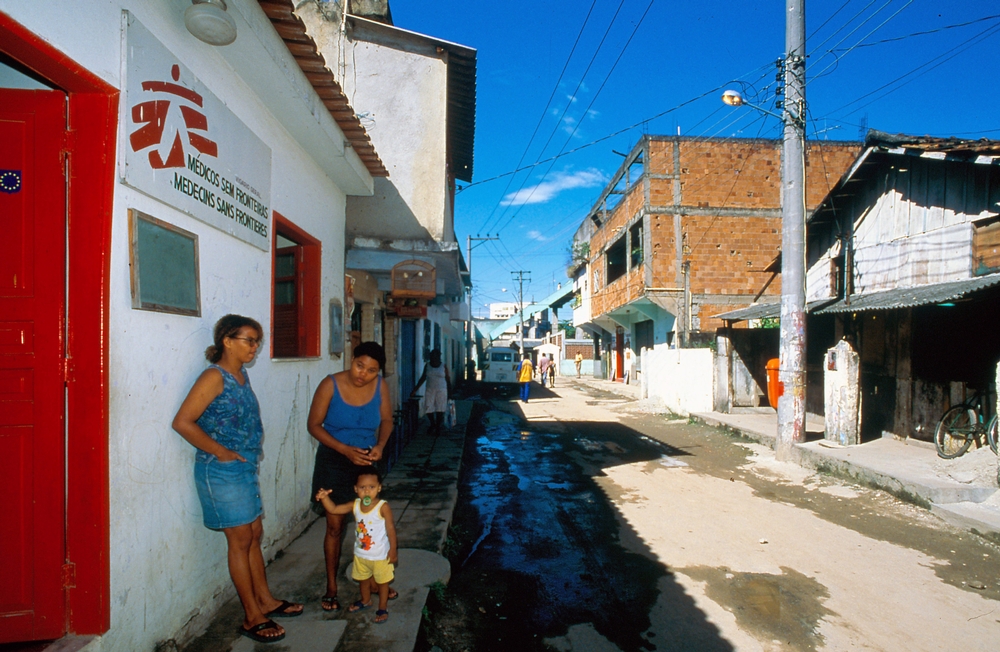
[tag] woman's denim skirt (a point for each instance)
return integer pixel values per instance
(229, 492)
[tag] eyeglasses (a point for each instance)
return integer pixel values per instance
(249, 340)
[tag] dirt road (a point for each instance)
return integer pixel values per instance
(587, 522)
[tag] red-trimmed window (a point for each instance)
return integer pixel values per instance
(295, 314)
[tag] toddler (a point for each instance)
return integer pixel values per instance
(374, 543)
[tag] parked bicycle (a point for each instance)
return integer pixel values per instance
(972, 421)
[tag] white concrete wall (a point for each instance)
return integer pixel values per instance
(168, 573)
(682, 378)
(405, 95)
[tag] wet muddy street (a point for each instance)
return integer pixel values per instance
(588, 522)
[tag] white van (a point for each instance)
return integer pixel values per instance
(499, 366)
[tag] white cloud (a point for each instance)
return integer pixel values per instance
(536, 235)
(547, 190)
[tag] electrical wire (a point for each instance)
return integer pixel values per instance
(850, 49)
(569, 102)
(587, 110)
(953, 52)
(545, 108)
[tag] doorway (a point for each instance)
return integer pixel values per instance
(58, 180)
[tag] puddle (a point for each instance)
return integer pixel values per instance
(786, 607)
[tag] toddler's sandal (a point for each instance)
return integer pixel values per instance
(381, 616)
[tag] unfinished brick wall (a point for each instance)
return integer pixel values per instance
(730, 208)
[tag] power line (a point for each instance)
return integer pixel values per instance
(597, 141)
(953, 52)
(569, 103)
(846, 52)
(929, 31)
(587, 110)
(545, 108)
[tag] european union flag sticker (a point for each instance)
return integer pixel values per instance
(10, 181)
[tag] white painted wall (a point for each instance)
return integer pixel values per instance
(405, 94)
(168, 573)
(682, 378)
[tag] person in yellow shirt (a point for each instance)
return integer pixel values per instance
(578, 360)
(525, 372)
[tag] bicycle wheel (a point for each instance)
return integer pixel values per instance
(991, 434)
(955, 431)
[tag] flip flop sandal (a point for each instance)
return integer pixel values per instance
(282, 610)
(381, 612)
(393, 594)
(358, 606)
(330, 603)
(255, 632)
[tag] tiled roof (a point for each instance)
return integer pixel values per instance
(293, 32)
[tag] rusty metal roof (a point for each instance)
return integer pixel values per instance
(957, 147)
(293, 32)
(923, 295)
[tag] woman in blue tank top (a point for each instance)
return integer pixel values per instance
(221, 418)
(351, 417)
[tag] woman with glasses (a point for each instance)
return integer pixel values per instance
(221, 418)
(351, 417)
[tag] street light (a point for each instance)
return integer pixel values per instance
(735, 98)
(791, 374)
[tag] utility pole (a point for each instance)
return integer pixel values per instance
(519, 277)
(470, 330)
(792, 404)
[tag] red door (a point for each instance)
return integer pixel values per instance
(32, 306)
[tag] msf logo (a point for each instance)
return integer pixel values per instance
(152, 117)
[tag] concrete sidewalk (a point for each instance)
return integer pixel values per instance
(909, 469)
(422, 489)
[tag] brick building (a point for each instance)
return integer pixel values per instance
(688, 228)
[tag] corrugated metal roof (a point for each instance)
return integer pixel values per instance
(763, 310)
(756, 311)
(950, 146)
(911, 297)
(293, 32)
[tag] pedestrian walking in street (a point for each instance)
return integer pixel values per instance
(543, 368)
(551, 369)
(374, 540)
(438, 387)
(525, 372)
(221, 418)
(578, 361)
(351, 417)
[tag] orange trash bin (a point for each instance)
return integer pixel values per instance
(775, 388)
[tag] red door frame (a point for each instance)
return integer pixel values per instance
(309, 272)
(90, 145)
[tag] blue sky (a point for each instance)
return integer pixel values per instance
(901, 66)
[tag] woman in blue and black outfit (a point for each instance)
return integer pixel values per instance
(351, 417)
(221, 418)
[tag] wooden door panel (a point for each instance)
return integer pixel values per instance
(32, 389)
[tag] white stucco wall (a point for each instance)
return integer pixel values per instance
(168, 573)
(682, 378)
(405, 98)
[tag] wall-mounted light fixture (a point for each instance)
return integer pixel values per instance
(208, 21)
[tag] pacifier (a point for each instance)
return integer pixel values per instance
(366, 501)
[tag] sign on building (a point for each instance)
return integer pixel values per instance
(184, 147)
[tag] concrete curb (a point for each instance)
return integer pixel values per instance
(899, 468)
